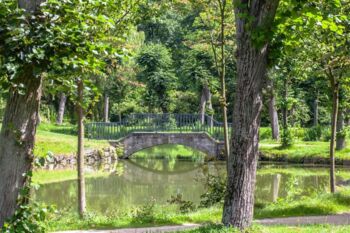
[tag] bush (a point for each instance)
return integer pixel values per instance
(265, 133)
(144, 214)
(184, 206)
(313, 134)
(286, 138)
(216, 190)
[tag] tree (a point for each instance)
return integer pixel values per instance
(254, 20)
(157, 73)
(57, 37)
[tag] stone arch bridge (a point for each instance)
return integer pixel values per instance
(140, 131)
(201, 141)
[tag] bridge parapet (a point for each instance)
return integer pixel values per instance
(172, 123)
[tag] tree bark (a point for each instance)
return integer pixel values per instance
(61, 108)
(81, 177)
(17, 139)
(106, 108)
(340, 141)
(335, 96)
(275, 128)
(251, 74)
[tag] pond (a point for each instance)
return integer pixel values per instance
(172, 170)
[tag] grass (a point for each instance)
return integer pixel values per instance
(274, 229)
(301, 150)
(320, 204)
(57, 139)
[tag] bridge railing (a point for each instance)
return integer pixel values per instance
(176, 123)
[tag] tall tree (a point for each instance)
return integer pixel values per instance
(18, 130)
(254, 21)
(33, 41)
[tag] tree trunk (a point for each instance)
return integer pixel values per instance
(275, 128)
(81, 177)
(335, 90)
(61, 108)
(17, 139)
(285, 108)
(315, 111)
(210, 109)
(341, 141)
(251, 74)
(203, 105)
(106, 109)
(223, 77)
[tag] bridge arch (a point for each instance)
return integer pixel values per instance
(201, 141)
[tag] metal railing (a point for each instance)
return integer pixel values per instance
(147, 122)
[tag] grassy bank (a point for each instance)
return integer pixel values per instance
(60, 140)
(302, 152)
(321, 204)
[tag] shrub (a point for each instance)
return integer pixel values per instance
(216, 190)
(313, 134)
(184, 206)
(286, 138)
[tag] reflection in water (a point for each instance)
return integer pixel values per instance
(138, 184)
(137, 181)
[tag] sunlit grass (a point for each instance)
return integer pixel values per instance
(301, 150)
(52, 138)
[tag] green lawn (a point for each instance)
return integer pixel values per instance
(301, 150)
(59, 141)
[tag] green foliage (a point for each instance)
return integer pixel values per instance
(215, 191)
(29, 216)
(184, 206)
(318, 133)
(286, 138)
(158, 74)
(144, 214)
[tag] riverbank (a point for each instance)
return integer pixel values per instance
(146, 216)
(314, 152)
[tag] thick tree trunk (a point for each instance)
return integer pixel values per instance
(61, 108)
(315, 108)
(106, 109)
(335, 90)
(81, 177)
(251, 72)
(341, 141)
(17, 140)
(275, 128)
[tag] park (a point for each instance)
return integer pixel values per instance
(188, 116)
